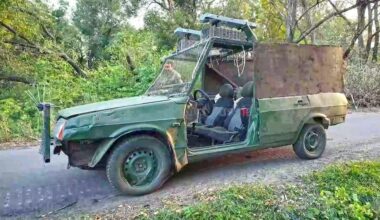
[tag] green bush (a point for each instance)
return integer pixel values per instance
(12, 112)
(362, 83)
(348, 191)
(57, 84)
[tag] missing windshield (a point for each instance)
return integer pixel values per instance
(177, 73)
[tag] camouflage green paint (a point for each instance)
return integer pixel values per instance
(281, 119)
(275, 121)
(161, 115)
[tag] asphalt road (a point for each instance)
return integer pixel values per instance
(30, 188)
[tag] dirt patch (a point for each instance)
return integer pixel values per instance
(19, 145)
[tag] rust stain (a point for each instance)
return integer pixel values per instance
(309, 69)
(172, 136)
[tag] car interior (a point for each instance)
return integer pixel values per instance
(218, 112)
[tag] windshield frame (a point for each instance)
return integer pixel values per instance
(195, 74)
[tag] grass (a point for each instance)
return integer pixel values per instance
(345, 191)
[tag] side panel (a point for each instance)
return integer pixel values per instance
(333, 105)
(280, 118)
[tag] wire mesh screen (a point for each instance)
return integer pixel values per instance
(225, 33)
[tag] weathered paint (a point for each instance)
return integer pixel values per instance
(283, 70)
(276, 121)
(109, 105)
(281, 119)
(128, 116)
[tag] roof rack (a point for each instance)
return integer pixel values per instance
(217, 20)
(187, 37)
(228, 28)
(188, 33)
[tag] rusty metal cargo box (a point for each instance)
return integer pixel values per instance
(289, 69)
(282, 70)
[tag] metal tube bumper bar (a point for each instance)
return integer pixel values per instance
(45, 139)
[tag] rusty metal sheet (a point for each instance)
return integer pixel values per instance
(282, 70)
(226, 72)
(289, 69)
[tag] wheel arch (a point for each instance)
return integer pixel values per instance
(104, 151)
(313, 118)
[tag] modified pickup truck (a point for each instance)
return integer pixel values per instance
(220, 93)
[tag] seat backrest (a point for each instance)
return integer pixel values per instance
(222, 107)
(233, 121)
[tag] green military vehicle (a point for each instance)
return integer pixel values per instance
(220, 93)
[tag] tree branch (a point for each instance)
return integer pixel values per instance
(20, 44)
(16, 79)
(307, 11)
(328, 17)
(13, 31)
(353, 40)
(60, 54)
(161, 4)
(340, 15)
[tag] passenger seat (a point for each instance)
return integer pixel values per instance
(222, 107)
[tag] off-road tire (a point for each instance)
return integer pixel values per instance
(115, 164)
(302, 147)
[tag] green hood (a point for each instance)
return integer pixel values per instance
(112, 104)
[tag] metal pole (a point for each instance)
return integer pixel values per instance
(45, 139)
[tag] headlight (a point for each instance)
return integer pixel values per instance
(59, 129)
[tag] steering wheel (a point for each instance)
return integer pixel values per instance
(204, 103)
(203, 95)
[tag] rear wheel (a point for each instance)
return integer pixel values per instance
(311, 142)
(139, 165)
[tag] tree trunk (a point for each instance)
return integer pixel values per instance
(377, 30)
(308, 20)
(356, 36)
(291, 19)
(369, 33)
(130, 64)
(361, 21)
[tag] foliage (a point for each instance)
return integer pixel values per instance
(271, 21)
(113, 79)
(346, 191)
(99, 21)
(96, 55)
(363, 83)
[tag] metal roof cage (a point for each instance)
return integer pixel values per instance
(228, 28)
(187, 37)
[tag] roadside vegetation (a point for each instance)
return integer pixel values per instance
(89, 51)
(345, 191)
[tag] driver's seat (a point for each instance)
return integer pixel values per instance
(233, 125)
(222, 107)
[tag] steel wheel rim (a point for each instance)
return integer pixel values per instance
(140, 167)
(312, 140)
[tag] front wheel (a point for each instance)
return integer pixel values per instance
(139, 165)
(311, 142)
